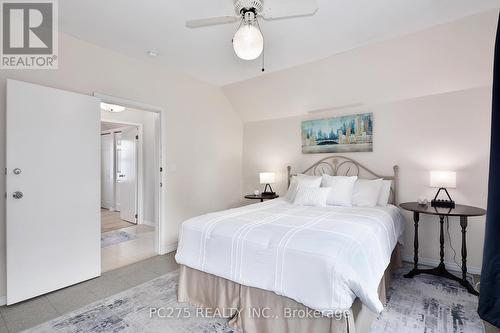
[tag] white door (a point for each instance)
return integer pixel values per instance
(53, 189)
(118, 168)
(107, 171)
(128, 179)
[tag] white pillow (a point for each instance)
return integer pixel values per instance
(311, 196)
(302, 181)
(385, 193)
(366, 192)
(341, 189)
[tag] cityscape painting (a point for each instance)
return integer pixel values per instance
(345, 134)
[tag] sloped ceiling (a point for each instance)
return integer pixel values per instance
(446, 58)
(132, 27)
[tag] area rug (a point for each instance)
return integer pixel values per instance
(428, 304)
(423, 304)
(115, 237)
(150, 307)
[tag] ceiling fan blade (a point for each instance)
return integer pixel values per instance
(211, 21)
(282, 9)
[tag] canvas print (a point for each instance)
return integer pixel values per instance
(346, 134)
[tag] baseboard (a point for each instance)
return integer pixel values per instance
(107, 207)
(150, 223)
(450, 265)
(169, 248)
(3, 300)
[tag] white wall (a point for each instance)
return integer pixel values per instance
(149, 163)
(430, 93)
(201, 144)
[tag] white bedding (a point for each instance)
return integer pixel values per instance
(322, 257)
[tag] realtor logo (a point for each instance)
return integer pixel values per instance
(29, 34)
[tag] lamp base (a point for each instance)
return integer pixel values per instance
(443, 203)
(269, 192)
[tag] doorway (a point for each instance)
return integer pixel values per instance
(128, 176)
(46, 173)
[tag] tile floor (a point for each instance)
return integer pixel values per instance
(131, 251)
(33, 312)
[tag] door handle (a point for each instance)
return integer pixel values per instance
(17, 195)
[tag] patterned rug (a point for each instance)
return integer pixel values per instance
(115, 237)
(130, 311)
(423, 304)
(428, 304)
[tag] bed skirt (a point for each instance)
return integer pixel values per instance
(254, 310)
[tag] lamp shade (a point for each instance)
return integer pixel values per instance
(267, 178)
(446, 179)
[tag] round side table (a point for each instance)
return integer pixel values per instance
(461, 211)
(261, 197)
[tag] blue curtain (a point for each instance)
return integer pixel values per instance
(489, 300)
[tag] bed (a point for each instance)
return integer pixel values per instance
(279, 267)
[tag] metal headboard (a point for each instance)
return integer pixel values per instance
(344, 166)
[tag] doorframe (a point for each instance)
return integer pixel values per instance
(139, 191)
(160, 126)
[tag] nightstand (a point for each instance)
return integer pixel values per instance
(461, 211)
(261, 197)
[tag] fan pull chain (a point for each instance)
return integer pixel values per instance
(263, 49)
(263, 58)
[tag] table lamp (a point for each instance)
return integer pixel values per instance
(267, 178)
(443, 180)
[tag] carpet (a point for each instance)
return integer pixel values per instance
(428, 304)
(423, 304)
(115, 237)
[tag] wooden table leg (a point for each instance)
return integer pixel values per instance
(414, 271)
(441, 239)
(464, 282)
(463, 224)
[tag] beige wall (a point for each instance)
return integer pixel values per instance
(430, 93)
(199, 166)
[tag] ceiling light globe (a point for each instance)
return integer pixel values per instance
(248, 42)
(112, 107)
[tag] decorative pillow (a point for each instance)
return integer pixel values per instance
(366, 192)
(385, 193)
(341, 189)
(302, 181)
(311, 196)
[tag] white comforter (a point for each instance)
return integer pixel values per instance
(321, 257)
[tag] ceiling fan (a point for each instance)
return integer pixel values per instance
(248, 42)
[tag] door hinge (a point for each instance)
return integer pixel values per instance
(161, 169)
(137, 137)
(136, 216)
